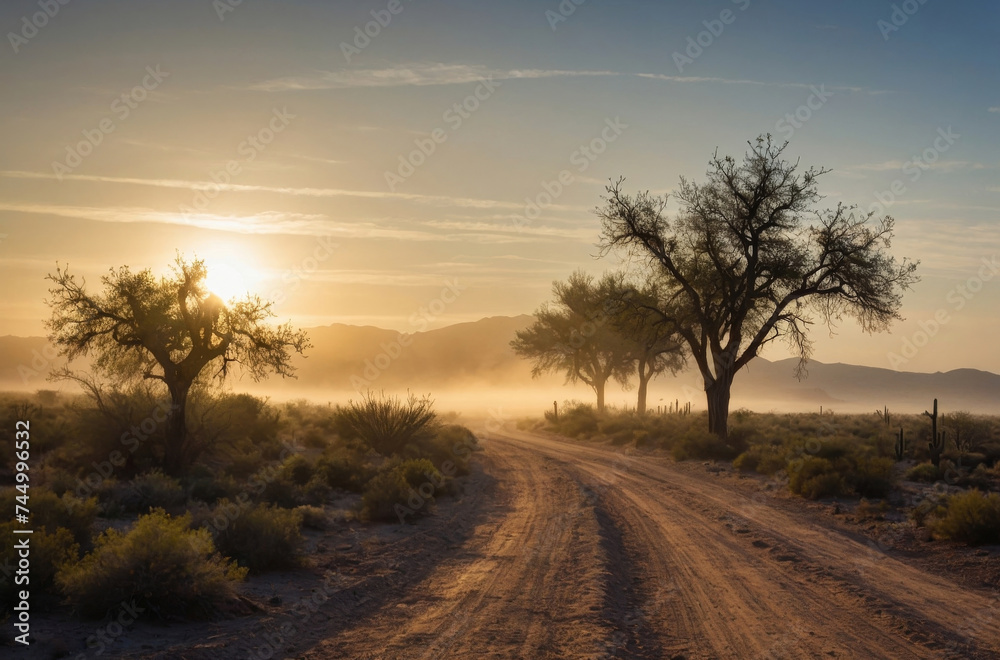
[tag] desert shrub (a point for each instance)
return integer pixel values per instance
(387, 423)
(386, 490)
(345, 469)
(298, 469)
(173, 569)
(278, 489)
(51, 512)
(150, 490)
(698, 443)
(260, 537)
(813, 477)
(451, 443)
(872, 477)
(971, 517)
(213, 487)
(925, 472)
(49, 553)
(313, 517)
(983, 478)
(763, 459)
(576, 420)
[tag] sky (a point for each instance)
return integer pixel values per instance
(445, 165)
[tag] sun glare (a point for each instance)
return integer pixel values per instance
(228, 281)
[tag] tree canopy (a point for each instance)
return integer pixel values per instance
(748, 260)
(169, 329)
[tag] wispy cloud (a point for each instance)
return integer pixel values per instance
(995, 108)
(433, 200)
(899, 165)
(458, 74)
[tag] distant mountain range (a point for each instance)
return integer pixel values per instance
(476, 356)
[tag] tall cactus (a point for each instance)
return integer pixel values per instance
(936, 445)
(900, 444)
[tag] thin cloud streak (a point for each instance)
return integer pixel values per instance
(459, 74)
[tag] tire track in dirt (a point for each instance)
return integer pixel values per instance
(527, 584)
(754, 581)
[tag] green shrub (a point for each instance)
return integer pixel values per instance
(344, 469)
(970, 517)
(212, 488)
(146, 491)
(872, 477)
(49, 553)
(813, 478)
(763, 459)
(51, 512)
(171, 568)
(925, 472)
(383, 493)
(260, 537)
(698, 443)
(298, 469)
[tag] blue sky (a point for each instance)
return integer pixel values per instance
(885, 101)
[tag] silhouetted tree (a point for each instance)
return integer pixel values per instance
(577, 334)
(655, 345)
(169, 329)
(743, 265)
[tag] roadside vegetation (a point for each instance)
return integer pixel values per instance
(831, 456)
(109, 521)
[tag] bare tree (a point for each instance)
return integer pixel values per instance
(748, 260)
(170, 330)
(576, 335)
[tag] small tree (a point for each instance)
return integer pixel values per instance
(743, 268)
(171, 330)
(577, 335)
(655, 345)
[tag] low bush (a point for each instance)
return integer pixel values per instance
(147, 491)
(298, 469)
(383, 493)
(925, 472)
(813, 478)
(313, 517)
(49, 553)
(260, 537)
(52, 513)
(160, 564)
(387, 423)
(872, 477)
(698, 443)
(344, 469)
(763, 459)
(971, 517)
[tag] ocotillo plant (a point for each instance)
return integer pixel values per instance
(900, 445)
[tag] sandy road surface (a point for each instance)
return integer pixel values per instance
(594, 554)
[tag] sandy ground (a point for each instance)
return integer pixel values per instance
(567, 550)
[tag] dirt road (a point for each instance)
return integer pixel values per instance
(589, 553)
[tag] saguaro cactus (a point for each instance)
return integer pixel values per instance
(936, 445)
(900, 444)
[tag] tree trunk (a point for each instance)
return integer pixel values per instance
(718, 406)
(640, 406)
(175, 440)
(599, 388)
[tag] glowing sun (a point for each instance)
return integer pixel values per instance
(228, 280)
